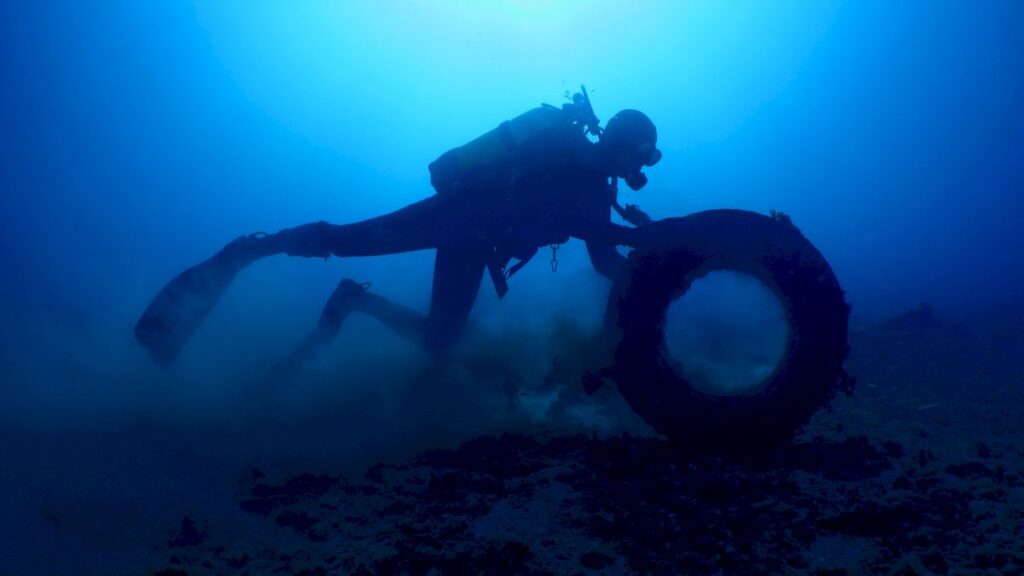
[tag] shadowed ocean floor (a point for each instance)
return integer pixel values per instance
(921, 471)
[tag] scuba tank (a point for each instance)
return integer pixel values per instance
(501, 143)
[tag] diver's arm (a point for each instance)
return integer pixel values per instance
(631, 213)
(602, 236)
(605, 258)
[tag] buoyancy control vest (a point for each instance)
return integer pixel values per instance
(463, 167)
(488, 161)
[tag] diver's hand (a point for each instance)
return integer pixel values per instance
(635, 216)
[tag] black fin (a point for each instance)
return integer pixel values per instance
(182, 305)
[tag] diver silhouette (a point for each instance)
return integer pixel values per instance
(536, 180)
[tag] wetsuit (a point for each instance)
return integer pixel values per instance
(548, 191)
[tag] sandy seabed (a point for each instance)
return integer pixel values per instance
(921, 471)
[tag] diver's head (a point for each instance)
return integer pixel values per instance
(627, 145)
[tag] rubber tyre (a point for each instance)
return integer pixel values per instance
(671, 254)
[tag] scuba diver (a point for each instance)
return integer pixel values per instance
(533, 181)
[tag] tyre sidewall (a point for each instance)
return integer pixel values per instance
(671, 256)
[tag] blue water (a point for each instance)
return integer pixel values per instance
(136, 138)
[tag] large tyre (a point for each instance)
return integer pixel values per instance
(669, 256)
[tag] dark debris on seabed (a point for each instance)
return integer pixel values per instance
(920, 472)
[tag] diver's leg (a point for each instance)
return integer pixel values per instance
(457, 274)
(180, 307)
(429, 223)
(337, 308)
(348, 297)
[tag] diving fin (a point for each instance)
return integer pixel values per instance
(182, 305)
